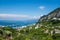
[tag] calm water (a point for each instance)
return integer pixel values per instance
(16, 23)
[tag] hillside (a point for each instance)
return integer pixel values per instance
(54, 14)
(47, 28)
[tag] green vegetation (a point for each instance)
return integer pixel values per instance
(43, 32)
(47, 28)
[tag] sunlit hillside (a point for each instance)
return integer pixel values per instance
(47, 28)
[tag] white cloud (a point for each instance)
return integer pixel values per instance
(12, 16)
(17, 16)
(42, 7)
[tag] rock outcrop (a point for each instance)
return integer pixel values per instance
(54, 14)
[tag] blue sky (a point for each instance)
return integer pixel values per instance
(26, 9)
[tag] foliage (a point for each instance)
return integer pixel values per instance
(32, 34)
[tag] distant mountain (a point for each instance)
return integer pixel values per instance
(54, 14)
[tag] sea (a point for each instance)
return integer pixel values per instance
(16, 23)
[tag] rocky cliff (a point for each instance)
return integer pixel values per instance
(54, 14)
